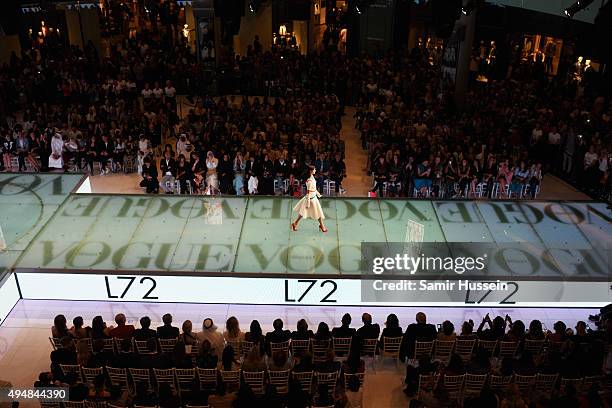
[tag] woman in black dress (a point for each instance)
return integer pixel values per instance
(183, 173)
(267, 167)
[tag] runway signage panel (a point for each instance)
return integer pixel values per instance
(281, 291)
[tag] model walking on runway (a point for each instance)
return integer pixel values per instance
(309, 206)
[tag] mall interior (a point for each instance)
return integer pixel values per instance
(305, 203)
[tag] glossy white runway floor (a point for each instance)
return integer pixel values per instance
(25, 348)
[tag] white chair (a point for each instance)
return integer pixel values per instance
(442, 350)
(427, 383)
(319, 350)
(72, 368)
(87, 341)
(391, 348)
(140, 376)
(473, 385)
(119, 342)
(299, 346)
(90, 374)
(46, 404)
(533, 346)
(329, 187)
(56, 343)
(282, 347)
(236, 345)
(109, 345)
(424, 349)
(576, 382)
(142, 346)
(185, 379)
(231, 377)
(488, 345)
(177, 187)
(342, 345)
(590, 380)
(464, 348)
(246, 347)
(329, 379)
(305, 380)
(545, 383)
(76, 404)
(499, 382)
(524, 382)
(207, 378)
(507, 349)
(360, 377)
(118, 377)
(368, 351)
(453, 384)
(164, 376)
(189, 187)
(280, 379)
(478, 189)
(278, 186)
(167, 345)
(255, 380)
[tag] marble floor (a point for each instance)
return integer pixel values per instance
(25, 348)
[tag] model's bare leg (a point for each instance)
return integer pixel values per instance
(295, 224)
(321, 226)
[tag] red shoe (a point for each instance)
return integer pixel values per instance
(323, 229)
(293, 226)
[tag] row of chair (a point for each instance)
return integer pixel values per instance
(189, 380)
(480, 191)
(114, 345)
(100, 404)
(440, 350)
(465, 385)
(437, 349)
(318, 348)
(282, 186)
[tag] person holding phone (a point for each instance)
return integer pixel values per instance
(309, 206)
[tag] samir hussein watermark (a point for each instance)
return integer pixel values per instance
(408, 263)
(447, 271)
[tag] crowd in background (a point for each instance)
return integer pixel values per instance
(571, 353)
(508, 131)
(505, 136)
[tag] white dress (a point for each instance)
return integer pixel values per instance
(211, 174)
(56, 160)
(313, 210)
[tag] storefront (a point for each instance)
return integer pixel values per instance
(513, 35)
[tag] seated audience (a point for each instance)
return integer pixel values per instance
(215, 338)
(369, 330)
(419, 331)
(302, 332)
(344, 330)
(122, 331)
(167, 331)
(188, 337)
(145, 332)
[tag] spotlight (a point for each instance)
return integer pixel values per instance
(361, 5)
(470, 6)
(254, 6)
(576, 7)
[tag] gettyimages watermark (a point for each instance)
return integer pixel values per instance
(504, 273)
